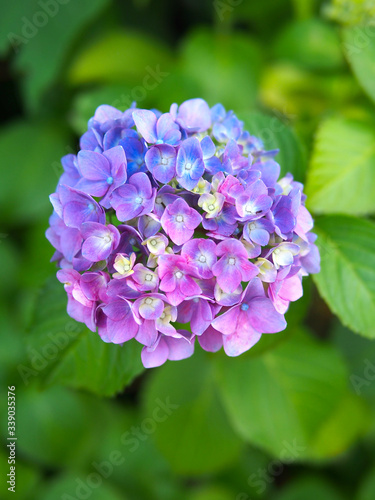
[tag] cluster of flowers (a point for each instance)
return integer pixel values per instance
(179, 218)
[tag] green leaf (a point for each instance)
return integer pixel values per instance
(277, 135)
(118, 57)
(40, 57)
(350, 421)
(62, 351)
(312, 44)
(347, 278)
(216, 62)
(341, 178)
(281, 399)
(359, 353)
(55, 427)
(32, 153)
(367, 488)
(196, 438)
(309, 487)
(359, 48)
(27, 479)
(71, 486)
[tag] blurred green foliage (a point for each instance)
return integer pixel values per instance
(294, 417)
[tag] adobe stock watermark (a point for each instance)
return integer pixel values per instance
(30, 26)
(40, 359)
(224, 8)
(131, 439)
(365, 379)
(260, 479)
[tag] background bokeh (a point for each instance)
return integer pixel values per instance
(292, 419)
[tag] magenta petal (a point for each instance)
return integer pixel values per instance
(121, 331)
(242, 339)
(264, 317)
(147, 333)
(145, 121)
(227, 322)
(155, 356)
(179, 348)
(189, 287)
(211, 340)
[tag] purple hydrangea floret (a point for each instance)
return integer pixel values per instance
(171, 228)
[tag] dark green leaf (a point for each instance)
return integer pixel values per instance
(311, 44)
(281, 399)
(31, 153)
(49, 36)
(227, 68)
(196, 438)
(66, 352)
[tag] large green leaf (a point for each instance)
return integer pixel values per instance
(131, 58)
(196, 438)
(341, 178)
(350, 421)
(281, 399)
(47, 35)
(310, 43)
(66, 352)
(278, 135)
(31, 155)
(347, 277)
(227, 68)
(49, 421)
(359, 48)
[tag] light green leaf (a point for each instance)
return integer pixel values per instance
(343, 428)
(227, 68)
(65, 352)
(196, 438)
(341, 178)
(277, 135)
(31, 153)
(118, 57)
(359, 48)
(347, 278)
(281, 399)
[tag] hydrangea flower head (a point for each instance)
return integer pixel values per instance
(179, 218)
